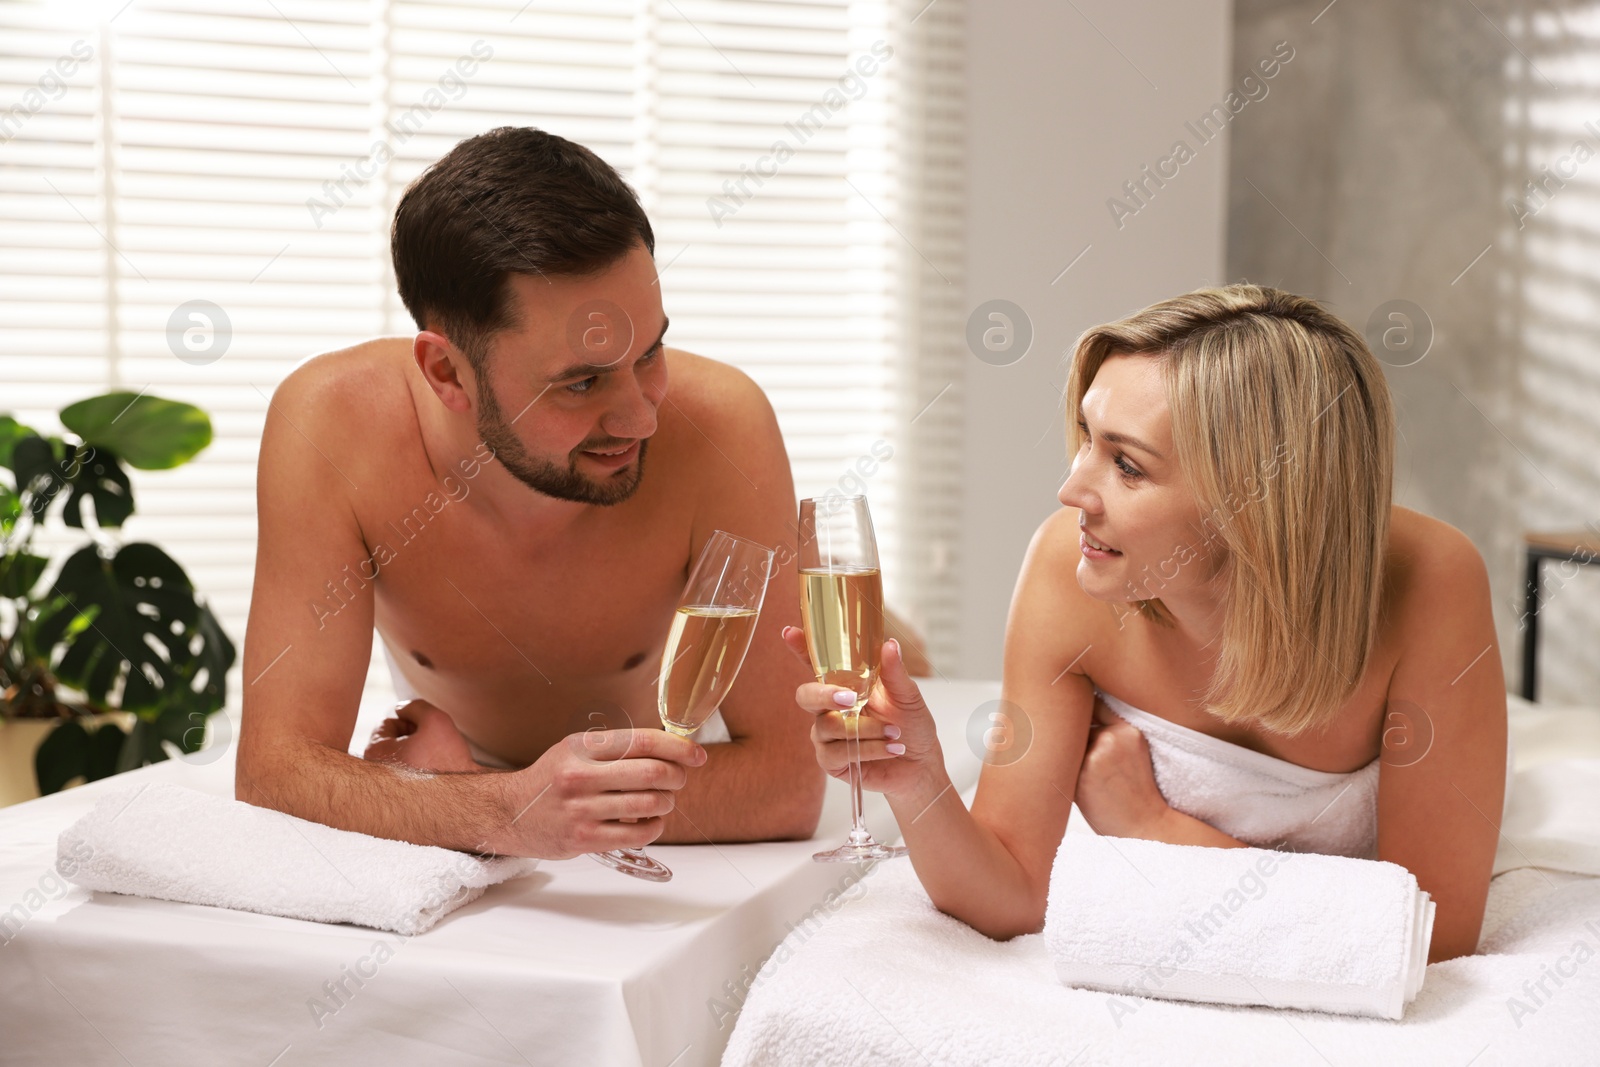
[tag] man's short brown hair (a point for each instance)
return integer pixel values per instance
(515, 200)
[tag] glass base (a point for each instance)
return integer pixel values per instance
(633, 861)
(868, 850)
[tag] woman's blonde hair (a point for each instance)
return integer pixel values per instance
(1285, 433)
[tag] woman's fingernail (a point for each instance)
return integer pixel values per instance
(896, 645)
(896, 749)
(844, 698)
(891, 732)
(786, 630)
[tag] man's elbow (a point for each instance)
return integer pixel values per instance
(802, 807)
(793, 807)
(251, 780)
(260, 769)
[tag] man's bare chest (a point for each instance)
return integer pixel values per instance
(464, 598)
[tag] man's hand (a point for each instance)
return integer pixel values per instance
(574, 798)
(1117, 790)
(421, 736)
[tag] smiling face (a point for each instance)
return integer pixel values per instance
(1140, 524)
(568, 397)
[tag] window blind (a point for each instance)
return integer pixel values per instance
(250, 155)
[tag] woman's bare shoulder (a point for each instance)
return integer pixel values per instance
(1051, 615)
(1431, 566)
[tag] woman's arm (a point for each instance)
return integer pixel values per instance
(989, 867)
(968, 871)
(1441, 785)
(1026, 788)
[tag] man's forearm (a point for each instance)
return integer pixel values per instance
(314, 782)
(747, 793)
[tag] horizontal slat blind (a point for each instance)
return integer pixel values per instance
(228, 152)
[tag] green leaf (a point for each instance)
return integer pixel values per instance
(11, 431)
(105, 746)
(10, 509)
(20, 573)
(148, 432)
(34, 460)
(97, 474)
(148, 630)
(62, 756)
(144, 746)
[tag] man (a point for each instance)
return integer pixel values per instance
(514, 498)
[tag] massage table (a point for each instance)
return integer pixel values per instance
(575, 964)
(889, 980)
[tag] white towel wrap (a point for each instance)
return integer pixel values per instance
(1260, 799)
(1257, 798)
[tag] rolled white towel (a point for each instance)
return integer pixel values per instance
(1237, 926)
(173, 843)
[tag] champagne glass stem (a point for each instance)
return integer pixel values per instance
(859, 835)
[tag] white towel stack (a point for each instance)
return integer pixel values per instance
(1237, 926)
(172, 843)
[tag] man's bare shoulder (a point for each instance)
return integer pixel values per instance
(370, 376)
(354, 404)
(701, 386)
(715, 409)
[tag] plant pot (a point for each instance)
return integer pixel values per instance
(20, 739)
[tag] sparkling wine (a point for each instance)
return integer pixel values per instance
(842, 612)
(704, 650)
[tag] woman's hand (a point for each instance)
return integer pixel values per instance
(1117, 790)
(421, 736)
(899, 745)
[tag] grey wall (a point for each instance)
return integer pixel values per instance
(1385, 166)
(1065, 103)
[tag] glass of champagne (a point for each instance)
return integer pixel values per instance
(841, 609)
(711, 632)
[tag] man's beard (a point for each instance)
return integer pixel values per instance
(543, 476)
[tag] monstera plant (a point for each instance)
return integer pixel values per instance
(114, 627)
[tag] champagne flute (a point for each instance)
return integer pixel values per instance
(711, 632)
(841, 609)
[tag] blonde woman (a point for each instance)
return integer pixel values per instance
(1228, 568)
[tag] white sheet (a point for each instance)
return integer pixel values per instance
(890, 980)
(575, 964)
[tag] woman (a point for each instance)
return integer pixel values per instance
(1228, 561)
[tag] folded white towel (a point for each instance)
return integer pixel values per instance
(173, 843)
(1237, 926)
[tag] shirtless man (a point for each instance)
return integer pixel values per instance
(514, 499)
